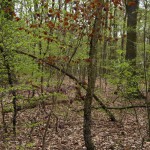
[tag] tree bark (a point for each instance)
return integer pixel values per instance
(91, 81)
(9, 6)
(131, 48)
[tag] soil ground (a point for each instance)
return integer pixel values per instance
(65, 128)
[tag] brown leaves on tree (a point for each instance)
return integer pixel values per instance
(51, 10)
(51, 59)
(67, 1)
(116, 2)
(87, 60)
(111, 16)
(34, 25)
(21, 28)
(50, 24)
(7, 9)
(45, 33)
(133, 3)
(17, 19)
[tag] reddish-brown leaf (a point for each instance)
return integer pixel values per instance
(21, 28)
(67, 1)
(45, 32)
(33, 26)
(50, 24)
(17, 18)
(87, 60)
(50, 10)
(132, 3)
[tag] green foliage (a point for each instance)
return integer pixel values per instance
(121, 75)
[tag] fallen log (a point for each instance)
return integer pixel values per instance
(33, 103)
(117, 108)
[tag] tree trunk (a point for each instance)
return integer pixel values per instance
(131, 48)
(100, 101)
(6, 55)
(91, 82)
(147, 100)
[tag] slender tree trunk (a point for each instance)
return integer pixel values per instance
(123, 32)
(3, 113)
(13, 92)
(91, 82)
(104, 52)
(59, 4)
(147, 100)
(9, 16)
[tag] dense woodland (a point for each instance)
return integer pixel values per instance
(74, 74)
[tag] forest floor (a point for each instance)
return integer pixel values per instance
(65, 127)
